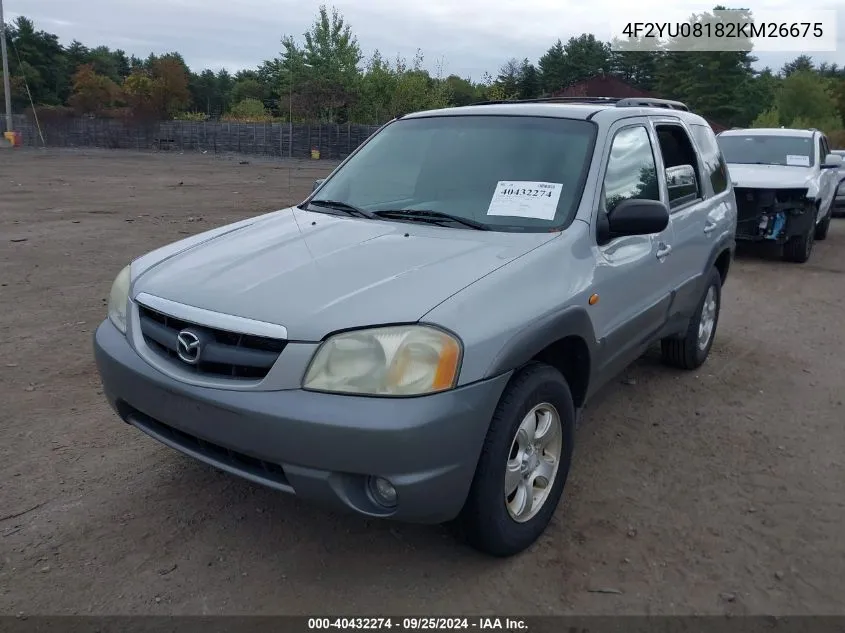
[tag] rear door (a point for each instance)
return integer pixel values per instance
(700, 217)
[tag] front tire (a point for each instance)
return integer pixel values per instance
(523, 465)
(799, 248)
(823, 227)
(692, 350)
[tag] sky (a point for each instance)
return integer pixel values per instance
(466, 37)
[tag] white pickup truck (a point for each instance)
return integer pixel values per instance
(785, 181)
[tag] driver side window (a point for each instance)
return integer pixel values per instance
(631, 168)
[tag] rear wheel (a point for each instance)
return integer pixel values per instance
(524, 463)
(692, 350)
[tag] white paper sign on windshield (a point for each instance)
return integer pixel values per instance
(797, 160)
(525, 199)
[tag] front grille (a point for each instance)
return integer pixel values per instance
(271, 473)
(221, 352)
(757, 210)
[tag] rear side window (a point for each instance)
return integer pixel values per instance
(714, 162)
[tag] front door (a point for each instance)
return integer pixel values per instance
(828, 179)
(633, 273)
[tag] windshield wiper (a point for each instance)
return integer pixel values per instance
(427, 215)
(339, 205)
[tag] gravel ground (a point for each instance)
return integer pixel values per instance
(712, 492)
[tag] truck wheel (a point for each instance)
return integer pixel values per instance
(692, 350)
(523, 465)
(798, 248)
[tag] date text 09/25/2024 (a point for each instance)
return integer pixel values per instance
(417, 623)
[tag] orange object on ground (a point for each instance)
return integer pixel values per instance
(14, 138)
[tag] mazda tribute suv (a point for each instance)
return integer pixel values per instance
(417, 338)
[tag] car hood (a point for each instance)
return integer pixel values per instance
(316, 273)
(771, 176)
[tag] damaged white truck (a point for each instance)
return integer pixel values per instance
(785, 181)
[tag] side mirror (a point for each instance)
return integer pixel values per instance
(832, 161)
(682, 185)
(317, 183)
(637, 217)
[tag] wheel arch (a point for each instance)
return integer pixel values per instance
(721, 258)
(564, 340)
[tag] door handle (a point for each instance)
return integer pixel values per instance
(663, 250)
(709, 225)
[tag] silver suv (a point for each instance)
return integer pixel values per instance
(417, 338)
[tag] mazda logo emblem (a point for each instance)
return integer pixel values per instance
(188, 347)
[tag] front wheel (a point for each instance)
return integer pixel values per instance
(799, 248)
(523, 465)
(823, 227)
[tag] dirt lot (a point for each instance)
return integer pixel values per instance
(721, 491)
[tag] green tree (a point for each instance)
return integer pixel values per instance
(767, 118)
(38, 56)
(248, 110)
(802, 63)
(509, 77)
(326, 65)
(528, 85)
(462, 90)
(636, 63)
(552, 67)
(805, 99)
(248, 88)
(585, 57)
(92, 92)
(713, 83)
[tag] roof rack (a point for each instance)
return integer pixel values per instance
(608, 100)
(649, 102)
(626, 102)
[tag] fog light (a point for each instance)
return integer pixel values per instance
(383, 491)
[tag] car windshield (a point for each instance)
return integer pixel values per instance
(514, 173)
(759, 149)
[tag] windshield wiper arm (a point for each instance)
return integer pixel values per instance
(339, 205)
(427, 215)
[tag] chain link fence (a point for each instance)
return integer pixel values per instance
(332, 141)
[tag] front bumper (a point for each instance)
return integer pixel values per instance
(321, 447)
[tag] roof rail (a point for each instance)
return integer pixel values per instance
(608, 100)
(619, 102)
(649, 102)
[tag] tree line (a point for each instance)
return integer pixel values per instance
(323, 76)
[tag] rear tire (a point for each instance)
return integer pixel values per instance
(692, 350)
(499, 524)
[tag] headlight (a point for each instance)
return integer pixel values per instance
(118, 299)
(404, 360)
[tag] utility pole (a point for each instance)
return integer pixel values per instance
(7, 88)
